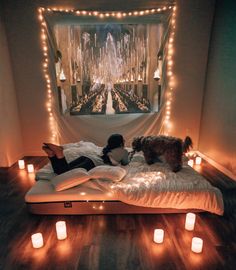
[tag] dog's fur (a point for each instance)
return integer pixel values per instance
(170, 147)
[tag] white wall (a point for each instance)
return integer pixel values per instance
(10, 132)
(218, 125)
(194, 18)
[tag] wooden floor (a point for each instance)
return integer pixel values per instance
(112, 241)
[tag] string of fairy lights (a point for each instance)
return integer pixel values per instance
(170, 74)
(100, 15)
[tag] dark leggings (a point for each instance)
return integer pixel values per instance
(60, 165)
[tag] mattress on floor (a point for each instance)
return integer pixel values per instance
(151, 186)
(43, 191)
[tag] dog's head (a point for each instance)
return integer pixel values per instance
(137, 143)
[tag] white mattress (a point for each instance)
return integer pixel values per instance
(43, 191)
(144, 185)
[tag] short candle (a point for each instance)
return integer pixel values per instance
(37, 240)
(30, 168)
(198, 160)
(21, 164)
(61, 230)
(190, 162)
(197, 245)
(190, 221)
(158, 236)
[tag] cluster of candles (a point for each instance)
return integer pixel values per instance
(196, 161)
(197, 243)
(37, 238)
(21, 164)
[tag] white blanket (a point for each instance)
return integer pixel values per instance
(156, 186)
(152, 185)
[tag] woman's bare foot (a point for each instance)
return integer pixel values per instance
(48, 151)
(56, 149)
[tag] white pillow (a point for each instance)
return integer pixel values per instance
(70, 179)
(113, 173)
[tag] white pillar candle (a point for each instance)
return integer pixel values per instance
(158, 236)
(197, 245)
(30, 168)
(21, 164)
(190, 163)
(37, 240)
(190, 221)
(198, 160)
(61, 230)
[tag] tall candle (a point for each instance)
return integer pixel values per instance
(30, 168)
(37, 240)
(158, 236)
(190, 221)
(21, 164)
(197, 245)
(61, 230)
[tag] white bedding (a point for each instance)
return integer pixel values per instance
(144, 185)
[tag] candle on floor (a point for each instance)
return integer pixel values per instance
(190, 221)
(190, 163)
(197, 245)
(37, 240)
(61, 230)
(30, 168)
(198, 160)
(21, 164)
(158, 236)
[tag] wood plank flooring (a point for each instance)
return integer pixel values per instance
(112, 241)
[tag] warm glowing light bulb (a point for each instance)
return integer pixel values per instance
(40, 17)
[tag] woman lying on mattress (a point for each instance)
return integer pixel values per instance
(113, 153)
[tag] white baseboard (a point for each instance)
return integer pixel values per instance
(217, 166)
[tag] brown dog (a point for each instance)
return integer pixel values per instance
(170, 147)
